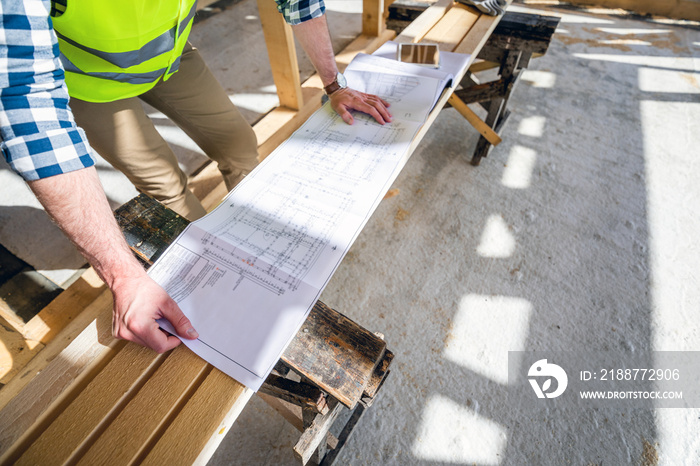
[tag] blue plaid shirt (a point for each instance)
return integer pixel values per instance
(298, 11)
(39, 136)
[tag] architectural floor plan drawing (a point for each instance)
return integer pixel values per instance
(248, 273)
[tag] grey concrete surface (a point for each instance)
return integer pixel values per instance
(577, 234)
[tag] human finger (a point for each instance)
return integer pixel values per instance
(182, 325)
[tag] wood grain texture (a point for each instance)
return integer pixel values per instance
(15, 351)
(335, 354)
(62, 310)
(92, 409)
(52, 379)
(379, 374)
(131, 433)
(148, 233)
(23, 341)
(477, 36)
(201, 425)
(474, 119)
(419, 27)
(282, 53)
(453, 27)
(373, 22)
(316, 433)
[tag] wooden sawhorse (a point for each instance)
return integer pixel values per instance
(517, 38)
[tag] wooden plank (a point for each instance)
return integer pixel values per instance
(62, 310)
(94, 407)
(204, 3)
(316, 433)
(335, 353)
(474, 120)
(292, 413)
(483, 65)
(23, 341)
(53, 378)
(15, 351)
(299, 393)
(283, 56)
(526, 32)
(379, 374)
(24, 295)
(373, 23)
(131, 433)
(479, 34)
(147, 232)
(212, 409)
(452, 27)
(425, 22)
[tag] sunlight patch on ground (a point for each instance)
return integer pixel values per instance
(497, 239)
(532, 126)
(518, 171)
(537, 78)
(655, 80)
(452, 433)
(484, 330)
(631, 31)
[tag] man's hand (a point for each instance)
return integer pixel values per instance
(344, 100)
(77, 203)
(314, 37)
(138, 303)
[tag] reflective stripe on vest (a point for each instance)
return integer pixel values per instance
(107, 56)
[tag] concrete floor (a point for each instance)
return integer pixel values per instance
(577, 234)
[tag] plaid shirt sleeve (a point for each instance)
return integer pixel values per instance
(39, 137)
(298, 11)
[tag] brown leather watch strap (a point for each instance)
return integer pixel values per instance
(332, 87)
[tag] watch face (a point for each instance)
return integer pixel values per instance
(342, 82)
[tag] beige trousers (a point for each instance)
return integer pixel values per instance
(122, 134)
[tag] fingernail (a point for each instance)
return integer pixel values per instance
(192, 333)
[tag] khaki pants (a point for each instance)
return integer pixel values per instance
(122, 134)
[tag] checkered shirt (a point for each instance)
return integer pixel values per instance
(39, 137)
(298, 11)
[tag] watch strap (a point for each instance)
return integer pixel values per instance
(332, 87)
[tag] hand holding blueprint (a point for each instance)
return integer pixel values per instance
(248, 273)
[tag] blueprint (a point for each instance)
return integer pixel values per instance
(249, 272)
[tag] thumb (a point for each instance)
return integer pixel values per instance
(171, 311)
(345, 115)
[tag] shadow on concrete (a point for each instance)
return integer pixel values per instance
(573, 257)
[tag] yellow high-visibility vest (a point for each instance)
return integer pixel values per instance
(117, 49)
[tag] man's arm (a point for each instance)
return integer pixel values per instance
(77, 203)
(41, 142)
(314, 37)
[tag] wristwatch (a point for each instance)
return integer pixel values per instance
(338, 83)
